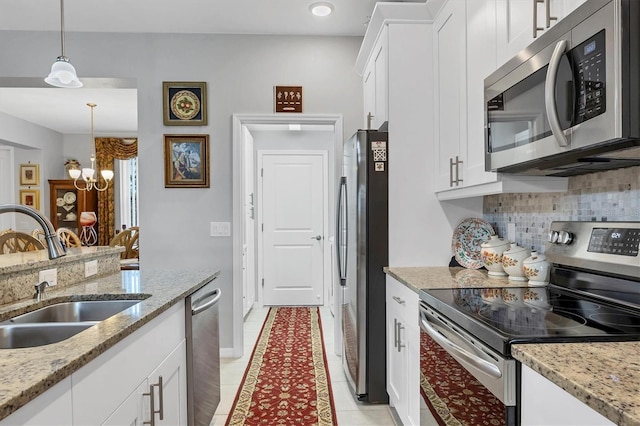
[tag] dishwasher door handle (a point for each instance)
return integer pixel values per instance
(195, 309)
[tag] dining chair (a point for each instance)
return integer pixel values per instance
(68, 237)
(15, 242)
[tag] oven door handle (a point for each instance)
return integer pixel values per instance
(476, 361)
(550, 94)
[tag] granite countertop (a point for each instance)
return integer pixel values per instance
(605, 375)
(26, 373)
(16, 262)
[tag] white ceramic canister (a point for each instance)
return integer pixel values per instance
(491, 254)
(536, 268)
(512, 261)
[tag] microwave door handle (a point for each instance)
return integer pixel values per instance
(550, 93)
(476, 361)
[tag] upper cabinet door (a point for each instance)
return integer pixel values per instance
(520, 22)
(449, 52)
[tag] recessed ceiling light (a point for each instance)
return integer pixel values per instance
(321, 8)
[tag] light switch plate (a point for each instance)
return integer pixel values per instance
(90, 268)
(50, 275)
(220, 229)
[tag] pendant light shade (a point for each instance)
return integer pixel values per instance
(63, 74)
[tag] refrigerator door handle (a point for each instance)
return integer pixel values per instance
(342, 201)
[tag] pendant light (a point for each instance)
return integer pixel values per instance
(63, 74)
(88, 173)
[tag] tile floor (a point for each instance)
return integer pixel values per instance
(349, 411)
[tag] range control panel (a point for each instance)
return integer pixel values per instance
(603, 247)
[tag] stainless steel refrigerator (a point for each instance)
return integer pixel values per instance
(363, 242)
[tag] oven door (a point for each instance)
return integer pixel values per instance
(461, 378)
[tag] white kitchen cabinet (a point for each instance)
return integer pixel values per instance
(133, 411)
(403, 351)
(376, 85)
(465, 53)
(520, 22)
(449, 51)
(106, 388)
(52, 408)
(545, 403)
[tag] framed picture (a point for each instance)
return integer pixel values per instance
(184, 103)
(29, 175)
(186, 161)
(287, 98)
(30, 197)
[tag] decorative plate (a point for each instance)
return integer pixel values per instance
(466, 241)
(59, 202)
(69, 198)
(185, 105)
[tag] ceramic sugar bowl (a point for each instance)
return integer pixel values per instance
(536, 268)
(512, 262)
(491, 253)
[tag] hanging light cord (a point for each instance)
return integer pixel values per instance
(62, 26)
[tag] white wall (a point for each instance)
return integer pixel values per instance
(240, 72)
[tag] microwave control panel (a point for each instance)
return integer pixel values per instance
(590, 76)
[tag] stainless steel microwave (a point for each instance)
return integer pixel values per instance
(569, 103)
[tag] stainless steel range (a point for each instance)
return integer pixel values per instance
(594, 295)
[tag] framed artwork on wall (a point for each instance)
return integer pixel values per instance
(184, 103)
(30, 197)
(186, 161)
(29, 174)
(287, 98)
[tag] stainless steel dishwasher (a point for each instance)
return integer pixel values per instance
(203, 354)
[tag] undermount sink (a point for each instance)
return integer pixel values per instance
(88, 310)
(57, 322)
(39, 334)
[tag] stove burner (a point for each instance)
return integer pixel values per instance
(616, 320)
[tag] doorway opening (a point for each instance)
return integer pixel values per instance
(271, 133)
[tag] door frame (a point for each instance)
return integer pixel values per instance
(326, 253)
(239, 122)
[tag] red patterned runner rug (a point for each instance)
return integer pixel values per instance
(287, 379)
(442, 380)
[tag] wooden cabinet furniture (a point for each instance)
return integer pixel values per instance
(545, 403)
(403, 352)
(67, 203)
(115, 387)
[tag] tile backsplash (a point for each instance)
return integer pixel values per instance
(606, 196)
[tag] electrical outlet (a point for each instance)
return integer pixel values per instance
(511, 232)
(90, 268)
(50, 275)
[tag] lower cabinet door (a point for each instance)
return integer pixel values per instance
(134, 410)
(170, 399)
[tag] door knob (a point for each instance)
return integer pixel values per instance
(317, 237)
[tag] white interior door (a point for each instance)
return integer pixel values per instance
(292, 211)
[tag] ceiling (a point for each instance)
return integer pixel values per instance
(65, 111)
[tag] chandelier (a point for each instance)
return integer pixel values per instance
(87, 174)
(63, 74)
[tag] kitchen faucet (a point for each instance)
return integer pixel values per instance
(54, 247)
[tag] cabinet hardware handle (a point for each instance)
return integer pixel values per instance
(458, 162)
(400, 328)
(549, 17)
(369, 120)
(152, 412)
(399, 300)
(451, 181)
(395, 332)
(536, 28)
(160, 397)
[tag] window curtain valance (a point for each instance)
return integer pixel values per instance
(107, 150)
